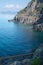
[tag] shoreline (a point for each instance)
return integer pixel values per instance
(20, 58)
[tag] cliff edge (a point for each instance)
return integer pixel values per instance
(31, 14)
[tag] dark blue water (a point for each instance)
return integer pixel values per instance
(17, 38)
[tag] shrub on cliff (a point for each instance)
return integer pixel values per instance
(36, 61)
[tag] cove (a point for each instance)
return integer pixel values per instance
(17, 38)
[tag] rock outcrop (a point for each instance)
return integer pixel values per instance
(38, 27)
(31, 14)
(36, 60)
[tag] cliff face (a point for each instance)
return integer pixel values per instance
(31, 13)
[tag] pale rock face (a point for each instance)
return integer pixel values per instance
(26, 62)
(23, 62)
(16, 63)
(33, 6)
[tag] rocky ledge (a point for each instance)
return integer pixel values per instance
(38, 27)
(37, 58)
(31, 14)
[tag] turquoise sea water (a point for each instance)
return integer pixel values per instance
(17, 39)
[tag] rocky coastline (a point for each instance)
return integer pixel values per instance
(35, 57)
(31, 14)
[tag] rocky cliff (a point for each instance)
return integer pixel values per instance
(37, 58)
(31, 14)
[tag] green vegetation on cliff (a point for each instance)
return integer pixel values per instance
(23, 10)
(32, 1)
(41, 5)
(36, 61)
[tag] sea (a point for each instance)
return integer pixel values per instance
(17, 38)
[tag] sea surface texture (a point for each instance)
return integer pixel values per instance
(17, 38)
